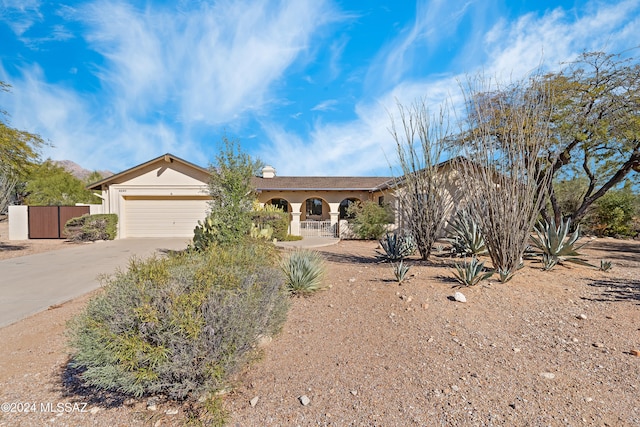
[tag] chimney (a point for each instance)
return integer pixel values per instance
(268, 172)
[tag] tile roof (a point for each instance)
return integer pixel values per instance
(319, 183)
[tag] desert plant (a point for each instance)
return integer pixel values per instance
(400, 271)
(369, 219)
(605, 265)
(273, 217)
(179, 325)
(555, 244)
(465, 236)
(505, 172)
(304, 272)
(89, 228)
(397, 246)
(471, 273)
(203, 234)
(421, 189)
(264, 232)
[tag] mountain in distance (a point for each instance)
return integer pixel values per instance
(78, 171)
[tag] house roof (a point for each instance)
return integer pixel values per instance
(168, 158)
(319, 183)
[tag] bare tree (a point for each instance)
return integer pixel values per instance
(423, 198)
(505, 176)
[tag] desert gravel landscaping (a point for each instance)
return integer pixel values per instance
(546, 349)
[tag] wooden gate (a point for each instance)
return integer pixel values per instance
(47, 222)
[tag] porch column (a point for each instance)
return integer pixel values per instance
(295, 219)
(335, 215)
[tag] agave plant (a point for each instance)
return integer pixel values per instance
(556, 245)
(397, 246)
(304, 272)
(465, 236)
(471, 273)
(605, 265)
(400, 270)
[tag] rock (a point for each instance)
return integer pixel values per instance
(598, 344)
(635, 353)
(583, 317)
(516, 350)
(354, 392)
(352, 280)
(172, 411)
(409, 298)
(253, 402)
(459, 296)
(304, 400)
(94, 410)
(547, 375)
(152, 407)
(425, 306)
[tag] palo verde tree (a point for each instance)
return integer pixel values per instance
(420, 146)
(19, 152)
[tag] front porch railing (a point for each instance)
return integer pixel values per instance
(318, 229)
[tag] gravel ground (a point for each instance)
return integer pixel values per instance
(547, 349)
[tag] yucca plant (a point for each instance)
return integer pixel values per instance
(304, 272)
(556, 245)
(471, 273)
(465, 236)
(400, 270)
(397, 246)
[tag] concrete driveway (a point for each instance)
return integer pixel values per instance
(33, 283)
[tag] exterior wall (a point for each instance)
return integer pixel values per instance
(159, 180)
(18, 222)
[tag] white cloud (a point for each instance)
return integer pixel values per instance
(20, 15)
(512, 50)
(327, 105)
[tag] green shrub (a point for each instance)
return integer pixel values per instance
(179, 325)
(272, 216)
(89, 228)
(304, 271)
(370, 220)
(613, 214)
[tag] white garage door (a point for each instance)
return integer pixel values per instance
(163, 217)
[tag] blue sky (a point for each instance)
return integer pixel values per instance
(307, 86)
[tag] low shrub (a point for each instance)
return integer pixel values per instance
(179, 325)
(370, 220)
(89, 228)
(304, 271)
(272, 217)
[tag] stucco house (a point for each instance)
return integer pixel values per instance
(166, 196)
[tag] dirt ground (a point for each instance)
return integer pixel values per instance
(546, 349)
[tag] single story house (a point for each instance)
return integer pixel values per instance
(167, 196)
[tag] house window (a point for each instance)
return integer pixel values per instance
(314, 207)
(280, 204)
(381, 200)
(344, 206)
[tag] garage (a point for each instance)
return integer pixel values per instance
(153, 216)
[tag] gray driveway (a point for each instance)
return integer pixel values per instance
(33, 283)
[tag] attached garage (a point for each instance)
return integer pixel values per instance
(148, 216)
(165, 197)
